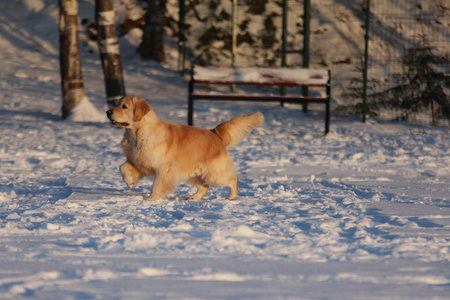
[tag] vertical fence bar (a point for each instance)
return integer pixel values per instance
(284, 44)
(284, 35)
(233, 33)
(366, 64)
(181, 36)
(306, 30)
(233, 38)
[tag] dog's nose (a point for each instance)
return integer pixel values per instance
(109, 114)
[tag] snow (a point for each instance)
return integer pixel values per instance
(361, 213)
(85, 111)
(255, 75)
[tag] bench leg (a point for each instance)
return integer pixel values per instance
(305, 93)
(282, 93)
(190, 119)
(327, 111)
(327, 117)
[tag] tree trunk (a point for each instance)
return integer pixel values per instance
(69, 57)
(108, 45)
(152, 46)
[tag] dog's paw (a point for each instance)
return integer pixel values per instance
(130, 185)
(129, 182)
(127, 175)
(193, 197)
(128, 179)
(153, 198)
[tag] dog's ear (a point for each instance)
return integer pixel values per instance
(141, 108)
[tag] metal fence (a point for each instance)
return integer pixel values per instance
(398, 26)
(337, 31)
(207, 33)
(405, 35)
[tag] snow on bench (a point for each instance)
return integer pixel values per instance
(261, 76)
(291, 77)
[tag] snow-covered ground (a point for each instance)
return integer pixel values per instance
(362, 213)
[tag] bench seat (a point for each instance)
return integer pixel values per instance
(285, 77)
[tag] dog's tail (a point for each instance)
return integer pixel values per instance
(234, 131)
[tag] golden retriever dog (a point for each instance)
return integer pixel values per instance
(173, 153)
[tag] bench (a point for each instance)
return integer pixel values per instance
(283, 77)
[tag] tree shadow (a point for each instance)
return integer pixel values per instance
(38, 115)
(27, 30)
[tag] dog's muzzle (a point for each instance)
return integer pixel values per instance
(109, 114)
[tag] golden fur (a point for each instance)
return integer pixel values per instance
(174, 153)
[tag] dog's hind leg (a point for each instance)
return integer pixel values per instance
(130, 174)
(223, 175)
(233, 185)
(202, 188)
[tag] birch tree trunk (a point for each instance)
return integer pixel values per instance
(152, 46)
(108, 45)
(69, 57)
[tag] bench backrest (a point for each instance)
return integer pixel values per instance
(260, 76)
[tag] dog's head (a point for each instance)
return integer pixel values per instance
(131, 110)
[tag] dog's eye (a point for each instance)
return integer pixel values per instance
(124, 106)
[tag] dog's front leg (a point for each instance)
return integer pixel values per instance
(130, 174)
(166, 181)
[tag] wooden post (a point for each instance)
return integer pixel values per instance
(108, 45)
(182, 37)
(152, 46)
(69, 57)
(191, 99)
(366, 62)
